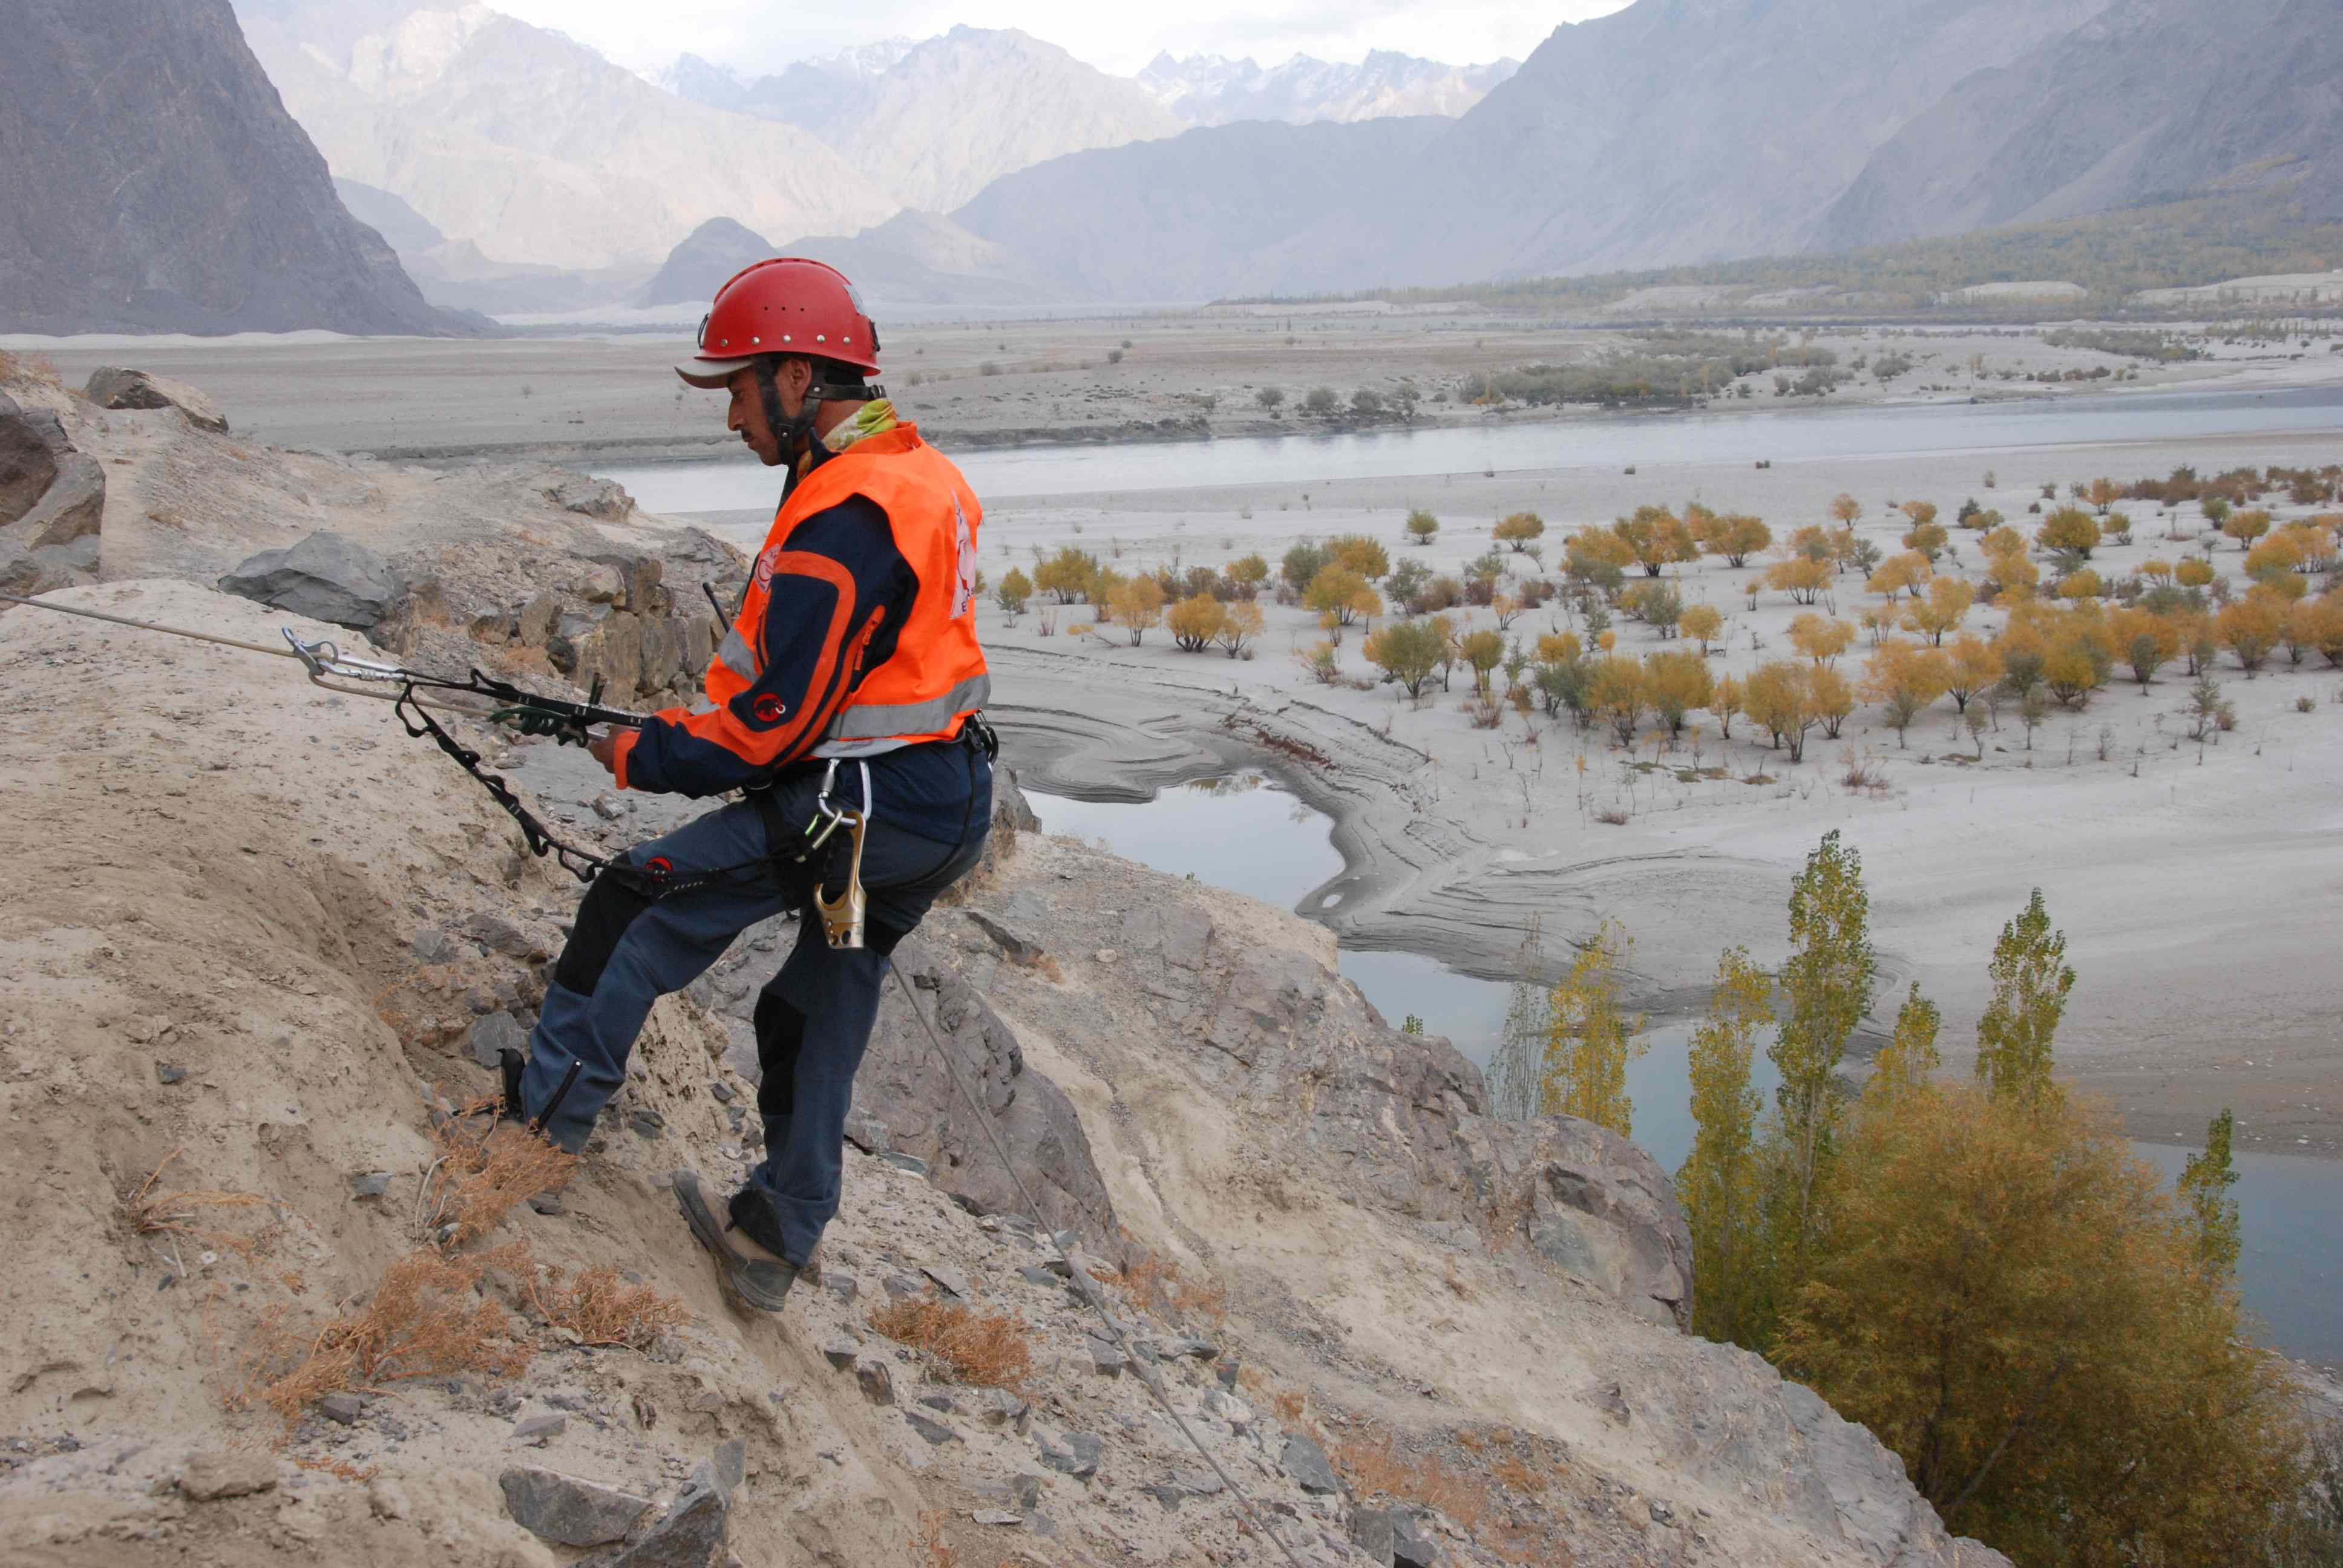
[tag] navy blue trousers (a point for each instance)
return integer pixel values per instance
(813, 1019)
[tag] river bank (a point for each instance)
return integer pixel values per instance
(1247, 834)
(1038, 383)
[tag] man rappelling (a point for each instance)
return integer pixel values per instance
(842, 704)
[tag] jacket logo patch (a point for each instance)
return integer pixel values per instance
(768, 709)
(964, 589)
(766, 562)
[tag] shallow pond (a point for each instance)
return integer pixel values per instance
(739, 483)
(1250, 837)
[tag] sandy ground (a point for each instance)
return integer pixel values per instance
(543, 396)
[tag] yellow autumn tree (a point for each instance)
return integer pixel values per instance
(1592, 1038)
(1195, 621)
(1821, 638)
(1946, 606)
(2015, 1307)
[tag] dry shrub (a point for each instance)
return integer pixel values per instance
(332, 1467)
(425, 1319)
(151, 1211)
(1289, 1404)
(480, 1175)
(1863, 776)
(602, 1308)
(934, 1545)
(1457, 1284)
(1373, 1463)
(987, 1350)
(1153, 1284)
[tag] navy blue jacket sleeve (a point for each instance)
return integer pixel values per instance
(837, 602)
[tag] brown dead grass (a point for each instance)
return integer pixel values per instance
(985, 1350)
(934, 1545)
(601, 1308)
(425, 1319)
(172, 1215)
(1457, 1284)
(1373, 1461)
(339, 1467)
(38, 367)
(486, 1168)
(1154, 1284)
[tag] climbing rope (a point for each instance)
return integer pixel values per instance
(331, 669)
(1084, 1285)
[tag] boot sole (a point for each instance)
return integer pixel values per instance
(747, 1283)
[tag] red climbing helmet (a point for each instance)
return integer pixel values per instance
(784, 304)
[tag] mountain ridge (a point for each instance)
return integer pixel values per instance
(154, 182)
(537, 149)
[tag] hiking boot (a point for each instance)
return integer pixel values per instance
(752, 1216)
(754, 1276)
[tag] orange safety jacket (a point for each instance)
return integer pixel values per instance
(856, 671)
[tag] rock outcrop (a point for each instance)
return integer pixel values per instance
(154, 182)
(52, 503)
(112, 387)
(326, 576)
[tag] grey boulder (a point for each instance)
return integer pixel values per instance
(689, 1534)
(52, 504)
(1306, 1462)
(567, 1511)
(325, 577)
(589, 496)
(110, 387)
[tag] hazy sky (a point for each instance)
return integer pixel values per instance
(758, 34)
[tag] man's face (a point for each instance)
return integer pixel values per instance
(747, 414)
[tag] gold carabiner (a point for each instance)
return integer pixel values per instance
(842, 918)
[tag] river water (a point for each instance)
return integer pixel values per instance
(1611, 441)
(1250, 837)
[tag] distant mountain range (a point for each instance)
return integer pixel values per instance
(534, 147)
(1211, 90)
(934, 123)
(2147, 99)
(1693, 131)
(515, 170)
(540, 153)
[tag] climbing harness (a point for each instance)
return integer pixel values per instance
(1084, 1285)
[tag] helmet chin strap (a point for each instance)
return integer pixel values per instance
(790, 432)
(793, 433)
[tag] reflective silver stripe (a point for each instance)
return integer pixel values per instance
(869, 721)
(738, 657)
(859, 747)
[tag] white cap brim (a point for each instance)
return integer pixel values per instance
(712, 375)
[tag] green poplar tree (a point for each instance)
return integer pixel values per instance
(2203, 1187)
(2030, 982)
(1718, 1184)
(1825, 988)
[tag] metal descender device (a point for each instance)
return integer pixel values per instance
(842, 918)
